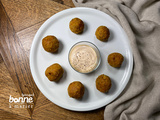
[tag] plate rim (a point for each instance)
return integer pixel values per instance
(35, 77)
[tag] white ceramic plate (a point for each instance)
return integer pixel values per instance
(58, 25)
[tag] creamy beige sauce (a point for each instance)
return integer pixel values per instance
(83, 58)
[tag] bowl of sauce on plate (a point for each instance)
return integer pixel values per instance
(84, 57)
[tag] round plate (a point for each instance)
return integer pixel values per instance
(58, 25)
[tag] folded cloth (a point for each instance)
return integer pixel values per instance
(141, 21)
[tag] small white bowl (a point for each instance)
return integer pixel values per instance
(90, 68)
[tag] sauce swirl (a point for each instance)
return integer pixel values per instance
(83, 58)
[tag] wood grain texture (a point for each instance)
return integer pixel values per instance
(4, 115)
(26, 36)
(7, 88)
(25, 14)
(15, 58)
(45, 109)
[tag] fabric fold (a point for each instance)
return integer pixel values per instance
(141, 21)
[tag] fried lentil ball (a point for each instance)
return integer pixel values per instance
(54, 72)
(76, 25)
(103, 83)
(102, 33)
(50, 44)
(76, 90)
(115, 59)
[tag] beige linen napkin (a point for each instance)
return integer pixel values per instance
(141, 21)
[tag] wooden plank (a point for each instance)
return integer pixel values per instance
(26, 36)
(45, 109)
(7, 88)
(4, 115)
(15, 58)
(24, 13)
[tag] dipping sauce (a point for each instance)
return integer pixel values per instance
(83, 58)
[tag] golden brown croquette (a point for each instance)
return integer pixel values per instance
(76, 25)
(54, 72)
(115, 59)
(102, 33)
(103, 83)
(76, 89)
(50, 44)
